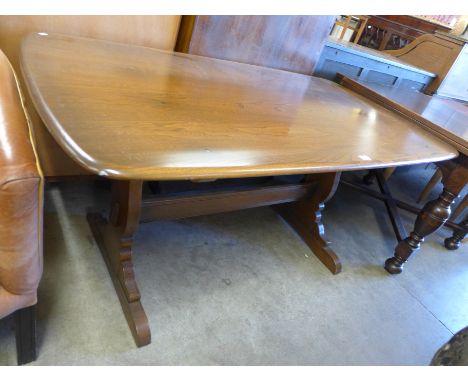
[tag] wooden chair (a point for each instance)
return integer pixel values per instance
(355, 24)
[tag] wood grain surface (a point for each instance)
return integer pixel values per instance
(129, 112)
(446, 118)
(291, 43)
(435, 53)
(151, 31)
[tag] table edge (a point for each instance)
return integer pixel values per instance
(120, 172)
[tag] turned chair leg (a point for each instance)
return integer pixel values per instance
(25, 329)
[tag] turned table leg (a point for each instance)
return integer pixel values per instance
(458, 235)
(305, 216)
(434, 214)
(115, 239)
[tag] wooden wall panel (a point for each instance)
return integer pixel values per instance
(152, 31)
(284, 42)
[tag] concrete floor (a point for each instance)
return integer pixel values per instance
(242, 289)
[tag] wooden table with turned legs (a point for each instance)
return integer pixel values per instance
(134, 114)
(434, 213)
(447, 120)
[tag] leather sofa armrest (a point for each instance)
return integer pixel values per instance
(21, 200)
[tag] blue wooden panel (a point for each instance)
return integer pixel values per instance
(368, 65)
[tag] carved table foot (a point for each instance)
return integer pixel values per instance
(305, 216)
(458, 235)
(115, 239)
(434, 214)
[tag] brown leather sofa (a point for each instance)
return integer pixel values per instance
(21, 203)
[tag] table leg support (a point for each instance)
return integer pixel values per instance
(305, 217)
(433, 215)
(115, 240)
(458, 235)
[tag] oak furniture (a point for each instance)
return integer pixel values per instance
(134, 114)
(151, 31)
(442, 54)
(459, 234)
(21, 195)
(435, 179)
(447, 120)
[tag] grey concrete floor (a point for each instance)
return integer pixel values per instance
(242, 289)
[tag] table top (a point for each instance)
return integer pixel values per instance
(130, 112)
(447, 118)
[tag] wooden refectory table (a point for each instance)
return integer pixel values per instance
(135, 114)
